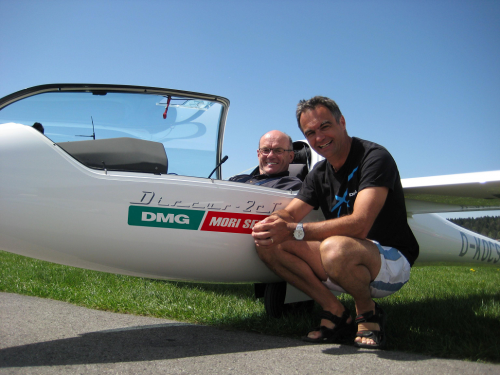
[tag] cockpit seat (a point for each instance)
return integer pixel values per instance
(298, 170)
(119, 154)
(299, 167)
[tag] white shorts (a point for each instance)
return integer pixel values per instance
(394, 273)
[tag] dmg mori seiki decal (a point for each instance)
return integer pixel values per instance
(173, 218)
(230, 222)
(164, 217)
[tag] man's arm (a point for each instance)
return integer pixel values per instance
(366, 208)
(280, 225)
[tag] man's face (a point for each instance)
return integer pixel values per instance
(274, 163)
(325, 135)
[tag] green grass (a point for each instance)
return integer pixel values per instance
(444, 311)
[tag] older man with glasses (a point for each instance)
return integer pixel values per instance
(275, 154)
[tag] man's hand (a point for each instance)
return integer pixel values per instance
(273, 230)
(279, 227)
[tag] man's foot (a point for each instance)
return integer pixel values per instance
(332, 329)
(371, 329)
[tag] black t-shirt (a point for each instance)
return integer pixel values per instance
(368, 165)
(278, 181)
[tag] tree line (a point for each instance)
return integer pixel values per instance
(488, 226)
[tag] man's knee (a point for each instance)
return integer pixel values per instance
(273, 254)
(267, 253)
(341, 255)
(335, 249)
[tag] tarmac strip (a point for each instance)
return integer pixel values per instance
(42, 336)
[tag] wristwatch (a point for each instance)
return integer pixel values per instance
(298, 233)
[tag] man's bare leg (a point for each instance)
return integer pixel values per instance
(299, 263)
(353, 263)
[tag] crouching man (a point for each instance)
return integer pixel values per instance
(364, 247)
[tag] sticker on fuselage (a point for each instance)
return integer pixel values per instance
(230, 222)
(174, 218)
(164, 217)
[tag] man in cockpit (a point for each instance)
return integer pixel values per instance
(275, 154)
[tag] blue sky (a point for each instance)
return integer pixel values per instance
(421, 77)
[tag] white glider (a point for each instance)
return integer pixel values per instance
(136, 199)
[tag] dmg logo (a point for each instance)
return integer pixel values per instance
(164, 217)
(161, 218)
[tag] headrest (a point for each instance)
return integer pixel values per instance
(302, 153)
(298, 170)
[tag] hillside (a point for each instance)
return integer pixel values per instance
(487, 226)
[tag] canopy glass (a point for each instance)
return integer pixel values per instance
(189, 126)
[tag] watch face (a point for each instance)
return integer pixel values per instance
(298, 233)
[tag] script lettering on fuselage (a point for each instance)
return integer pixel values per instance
(480, 249)
(150, 198)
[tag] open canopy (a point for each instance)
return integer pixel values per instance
(190, 126)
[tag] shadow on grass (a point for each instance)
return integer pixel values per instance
(446, 327)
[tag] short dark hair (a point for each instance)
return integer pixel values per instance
(39, 127)
(312, 103)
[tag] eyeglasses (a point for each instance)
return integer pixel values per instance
(277, 151)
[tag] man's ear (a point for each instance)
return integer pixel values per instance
(292, 155)
(342, 121)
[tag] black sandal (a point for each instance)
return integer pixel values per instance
(379, 337)
(340, 333)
